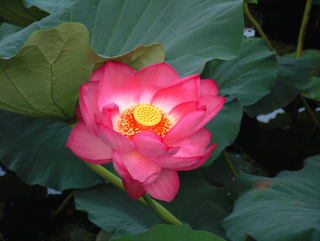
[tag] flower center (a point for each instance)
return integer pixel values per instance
(147, 116)
(144, 118)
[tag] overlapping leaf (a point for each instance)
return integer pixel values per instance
(219, 174)
(169, 232)
(250, 1)
(192, 32)
(248, 77)
(14, 12)
(114, 211)
(7, 29)
(204, 207)
(282, 208)
(35, 150)
(48, 5)
(224, 127)
(312, 90)
(43, 78)
(294, 75)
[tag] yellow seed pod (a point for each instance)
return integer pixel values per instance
(147, 116)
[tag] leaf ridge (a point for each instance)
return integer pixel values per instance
(105, 52)
(23, 97)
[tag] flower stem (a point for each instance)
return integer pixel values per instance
(303, 28)
(302, 34)
(230, 165)
(63, 204)
(309, 111)
(163, 213)
(146, 199)
(256, 25)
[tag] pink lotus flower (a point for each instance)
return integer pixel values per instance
(148, 122)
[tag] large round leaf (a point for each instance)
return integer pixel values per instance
(219, 173)
(192, 32)
(312, 90)
(201, 205)
(14, 12)
(48, 5)
(171, 233)
(35, 150)
(294, 75)
(224, 127)
(43, 78)
(113, 210)
(7, 29)
(282, 208)
(248, 77)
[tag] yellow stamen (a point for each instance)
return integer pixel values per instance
(147, 117)
(144, 118)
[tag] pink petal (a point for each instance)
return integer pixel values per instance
(181, 91)
(79, 114)
(87, 146)
(185, 127)
(110, 116)
(154, 78)
(125, 66)
(114, 139)
(96, 75)
(121, 168)
(118, 85)
(208, 87)
(213, 105)
(134, 191)
(195, 145)
(180, 111)
(184, 163)
(205, 157)
(165, 187)
(88, 102)
(178, 163)
(141, 170)
(149, 144)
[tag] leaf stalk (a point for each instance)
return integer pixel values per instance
(163, 213)
(303, 28)
(256, 25)
(302, 34)
(229, 163)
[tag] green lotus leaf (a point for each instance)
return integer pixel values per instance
(250, 1)
(224, 127)
(14, 12)
(7, 29)
(282, 208)
(169, 232)
(114, 211)
(48, 5)
(43, 79)
(306, 54)
(35, 150)
(201, 205)
(248, 77)
(219, 174)
(312, 90)
(294, 75)
(192, 32)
